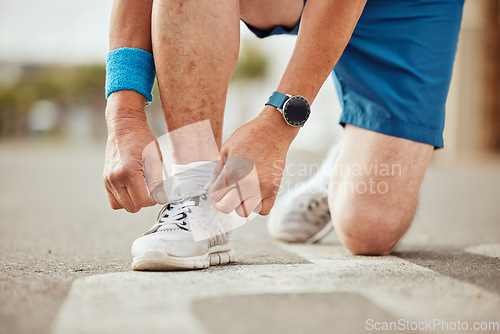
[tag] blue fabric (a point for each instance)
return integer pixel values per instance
(277, 100)
(394, 75)
(278, 30)
(130, 69)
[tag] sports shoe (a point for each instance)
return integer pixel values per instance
(189, 234)
(302, 215)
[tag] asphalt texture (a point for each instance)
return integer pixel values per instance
(65, 260)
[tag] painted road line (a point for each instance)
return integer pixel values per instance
(404, 288)
(491, 250)
(129, 302)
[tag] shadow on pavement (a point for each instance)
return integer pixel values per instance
(482, 271)
(289, 313)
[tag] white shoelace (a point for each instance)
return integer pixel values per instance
(173, 214)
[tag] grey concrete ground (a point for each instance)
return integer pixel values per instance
(65, 263)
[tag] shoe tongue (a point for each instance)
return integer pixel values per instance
(183, 187)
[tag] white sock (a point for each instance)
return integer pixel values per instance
(192, 176)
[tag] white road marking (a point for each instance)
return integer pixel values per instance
(130, 302)
(492, 250)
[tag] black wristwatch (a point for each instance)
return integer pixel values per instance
(295, 109)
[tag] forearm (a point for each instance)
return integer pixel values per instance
(325, 30)
(131, 25)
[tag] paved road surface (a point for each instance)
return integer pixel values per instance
(65, 264)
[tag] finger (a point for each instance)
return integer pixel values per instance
(114, 191)
(113, 202)
(153, 173)
(248, 206)
(246, 190)
(218, 169)
(139, 192)
(124, 199)
(236, 170)
(230, 201)
(249, 186)
(115, 205)
(220, 187)
(267, 205)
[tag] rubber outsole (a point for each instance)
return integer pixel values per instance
(157, 260)
(321, 234)
(313, 239)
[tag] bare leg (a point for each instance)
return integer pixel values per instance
(374, 189)
(195, 46)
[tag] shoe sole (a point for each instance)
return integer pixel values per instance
(155, 260)
(321, 234)
(315, 238)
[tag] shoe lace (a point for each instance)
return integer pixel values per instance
(174, 213)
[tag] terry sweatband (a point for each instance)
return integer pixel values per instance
(130, 69)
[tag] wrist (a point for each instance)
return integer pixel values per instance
(123, 107)
(277, 125)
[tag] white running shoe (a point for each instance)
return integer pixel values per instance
(189, 234)
(302, 215)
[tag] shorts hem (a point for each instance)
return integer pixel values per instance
(392, 127)
(278, 30)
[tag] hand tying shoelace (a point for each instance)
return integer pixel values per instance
(189, 232)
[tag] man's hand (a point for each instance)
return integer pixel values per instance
(133, 165)
(252, 161)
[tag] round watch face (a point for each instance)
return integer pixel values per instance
(296, 110)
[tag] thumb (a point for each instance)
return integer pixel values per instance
(153, 172)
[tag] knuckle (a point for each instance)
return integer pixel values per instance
(118, 175)
(123, 173)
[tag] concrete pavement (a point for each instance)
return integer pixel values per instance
(65, 261)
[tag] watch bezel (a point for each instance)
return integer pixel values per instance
(284, 110)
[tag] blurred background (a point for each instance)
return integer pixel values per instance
(52, 78)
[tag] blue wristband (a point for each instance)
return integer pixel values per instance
(130, 69)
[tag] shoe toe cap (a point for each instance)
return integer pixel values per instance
(174, 244)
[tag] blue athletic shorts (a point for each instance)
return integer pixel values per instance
(394, 75)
